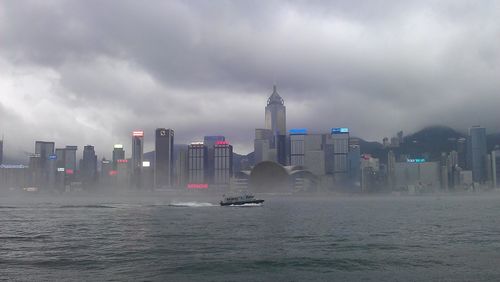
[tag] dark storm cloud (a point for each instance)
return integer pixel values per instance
(104, 68)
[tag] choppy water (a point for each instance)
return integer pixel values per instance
(446, 238)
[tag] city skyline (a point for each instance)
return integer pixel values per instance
(373, 68)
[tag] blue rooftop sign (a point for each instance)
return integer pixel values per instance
(340, 130)
(298, 131)
(415, 161)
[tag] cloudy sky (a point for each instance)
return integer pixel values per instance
(90, 72)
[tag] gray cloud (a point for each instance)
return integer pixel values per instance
(81, 72)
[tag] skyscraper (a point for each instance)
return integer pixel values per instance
(45, 151)
(1, 151)
(476, 153)
(223, 163)
(276, 113)
(262, 145)
(137, 156)
(297, 146)
(197, 163)
(210, 142)
(164, 157)
(275, 120)
(340, 139)
(118, 154)
(88, 168)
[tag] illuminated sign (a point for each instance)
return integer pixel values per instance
(60, 169)
(138, 133)
(340, 130)
(418, 161)
(52, 157)
(298, 131)
(122, 161)
(146, 164)
(105, 162)
(197, 186)
(118, 146)
(113, 172)
(197, 143)
(221, 143)
(70, 171)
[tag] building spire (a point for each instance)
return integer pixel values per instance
(275, 98)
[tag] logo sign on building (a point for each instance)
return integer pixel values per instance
(219, 143)
(118, 146)
(60, 169)
(418, 161)
(70, 171)
(122, 161)
(340, 130)
(138, 133)
(52, 157)
(298, 131)
(113, 172)
(146, 164)
(197, 185)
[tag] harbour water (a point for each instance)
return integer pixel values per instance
(146, 238)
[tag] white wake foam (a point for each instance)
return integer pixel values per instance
(247, 205)
(191, 204)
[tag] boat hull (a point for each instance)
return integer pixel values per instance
(239, 203)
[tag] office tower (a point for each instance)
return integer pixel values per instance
(164, 157)
(45, 150)
(297, 146)
(462, 152)
(70, 162)
(107, 171)
(1, 151)
(400, 137)
(88, 167)
(197, 163)
(314, 155)
(495, 166)
(122, 174)
(276, 114)
(275, 120)
(340, 139)
(118, 154)
(210, 142)
(476, 153)
(354, 161)
(262, 145)
(181, 167)
(391, 170)
(223, 163)
(60, 168)
(137, 157)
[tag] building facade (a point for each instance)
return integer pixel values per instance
(164, 157)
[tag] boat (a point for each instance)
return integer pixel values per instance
(240, 200)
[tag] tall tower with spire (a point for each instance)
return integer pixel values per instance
(276, 113)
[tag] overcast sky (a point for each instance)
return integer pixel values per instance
(90, 72)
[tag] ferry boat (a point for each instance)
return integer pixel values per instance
(240, 200)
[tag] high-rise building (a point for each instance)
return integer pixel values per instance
(210, 142)
(70, 162)
(495, 167)
(223, 163)
(137, 157)
(275, 120)
(262, 145)
(297, 146)
(118, 154)
(88, 168)
(276, 113)
(340, 139)
(164, 157)
(476, 153)
(1, 151)
(45, 151)
(462, 152)
(197, 163)
(181, 167)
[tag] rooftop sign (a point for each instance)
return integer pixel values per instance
(138, 133)
(340, 130)
(298, 131)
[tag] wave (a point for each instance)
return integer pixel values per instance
(190, 204)
(25, 237)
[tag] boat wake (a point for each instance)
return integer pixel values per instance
(248, 205)
(190, 204)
